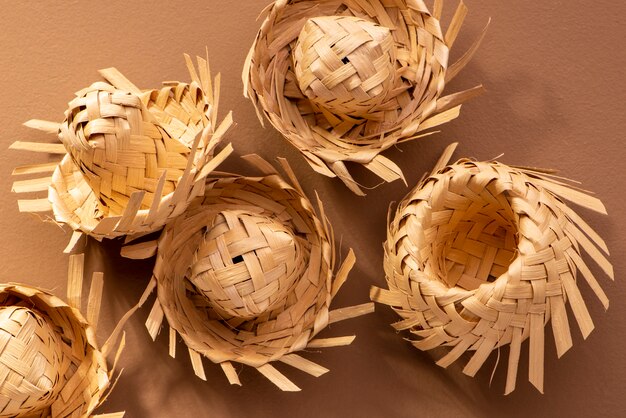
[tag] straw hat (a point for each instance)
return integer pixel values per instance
(50, 362)
(247, 275)
(135, 159)
(481, 254)
(343, 81)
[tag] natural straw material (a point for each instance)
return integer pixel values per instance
(481, 254)
(135, 158)
(30, 363)
(364, 71)
(50, 362)
(345, 80)
(247, 264)
(247, 274)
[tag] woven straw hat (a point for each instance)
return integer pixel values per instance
(50, 362)
(481, 254)
(135, 159)
(247, 275)
(344, 80)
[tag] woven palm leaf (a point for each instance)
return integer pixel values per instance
(481, 255)
(247, 275)
(344, 80)
(133, 159)
(50, 362)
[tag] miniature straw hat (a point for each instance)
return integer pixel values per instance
(345, 80)
(246, 275)
(481, 254)
(135, 159)
(50, 362)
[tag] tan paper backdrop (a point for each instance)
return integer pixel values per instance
(556, 92)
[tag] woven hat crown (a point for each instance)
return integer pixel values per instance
(123, 142)
(345, 64)
(30, 362)
(247, 264)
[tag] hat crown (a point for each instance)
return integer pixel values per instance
(345, 64)
(124, 141)
(247, 264)
(30, 362)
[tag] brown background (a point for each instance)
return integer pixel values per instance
(556, 92)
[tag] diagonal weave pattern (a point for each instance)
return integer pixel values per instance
(295, 77)
(246, 264)
(345, 64)
(67, 368)
(481, 255)
(30, 362)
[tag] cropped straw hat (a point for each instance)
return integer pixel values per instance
(50, 362)
(345, 80)
(247, 275)
(133, 159)
(480, 255)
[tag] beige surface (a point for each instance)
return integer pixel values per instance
(553, 71)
